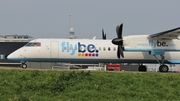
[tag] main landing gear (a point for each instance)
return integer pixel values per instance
(162, 67)
(24, 66)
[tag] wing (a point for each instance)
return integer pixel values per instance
(170, 34)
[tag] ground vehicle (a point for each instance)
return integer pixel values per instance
(113, 67)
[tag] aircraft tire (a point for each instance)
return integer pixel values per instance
(24, 66)
(142, 68)
(163, 68)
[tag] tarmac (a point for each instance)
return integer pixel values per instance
(19, 68)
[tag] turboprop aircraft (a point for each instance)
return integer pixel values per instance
(162, 48)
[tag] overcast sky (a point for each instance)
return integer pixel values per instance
(50, 18)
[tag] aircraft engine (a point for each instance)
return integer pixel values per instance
(119, 41)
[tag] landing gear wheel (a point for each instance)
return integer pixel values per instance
(163, 68)
(24, 66)
(142, 68)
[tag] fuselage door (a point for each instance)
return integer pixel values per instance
(54, 49)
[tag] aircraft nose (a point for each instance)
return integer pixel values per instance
(9, 57)
(12, 56)
(16, 55)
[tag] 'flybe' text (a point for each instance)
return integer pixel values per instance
(157, 44)
(83, 49)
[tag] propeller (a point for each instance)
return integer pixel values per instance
(103, 35)
(119, 41)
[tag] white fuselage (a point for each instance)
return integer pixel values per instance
(137, 49)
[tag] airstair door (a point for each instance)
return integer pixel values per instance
(54, 49)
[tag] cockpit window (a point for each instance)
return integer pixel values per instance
(28, 44)
(36, 44)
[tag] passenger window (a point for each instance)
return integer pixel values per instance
(104, 48)
(109, 48)
(114, 48)
(99, 48)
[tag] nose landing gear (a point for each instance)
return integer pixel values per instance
(24, 66)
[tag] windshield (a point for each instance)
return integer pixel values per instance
(33, 44)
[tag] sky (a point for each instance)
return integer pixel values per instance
(53, 18)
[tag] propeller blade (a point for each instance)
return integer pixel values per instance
(119, 41)
(118, 52)
(121, 51)
(119, 30)
(103, 34)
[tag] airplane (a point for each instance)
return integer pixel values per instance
(162, 48)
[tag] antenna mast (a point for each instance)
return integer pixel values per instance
(71, 30)
(69, 21)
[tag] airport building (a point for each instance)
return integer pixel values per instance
(10, 43)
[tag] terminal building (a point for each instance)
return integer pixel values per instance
(10, 43)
